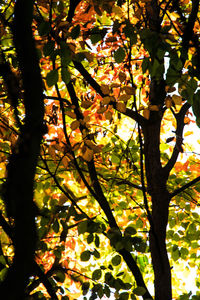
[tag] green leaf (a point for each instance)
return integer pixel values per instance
(65, 54)
(65, 75)
(44, 28)
(139, 291)
(95, 38)
(56, 226)
(119, 55)
(116, 260)
(60, 276)
(96, 253)
(75, 32)
(90, 238)
(96, 275)
(85, 255)
(124, 296)
(130, 231)
(85, 287)
(49, 48)
(82, 227)
(52, 77)
(97, 241)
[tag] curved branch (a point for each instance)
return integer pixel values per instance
(179, 138)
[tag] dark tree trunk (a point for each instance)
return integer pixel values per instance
(156, 184)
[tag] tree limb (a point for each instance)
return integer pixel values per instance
(179, 138)
(86, 75)
(184, 187)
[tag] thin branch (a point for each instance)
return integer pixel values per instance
(184, 187)
(179, 138)
(86, 75)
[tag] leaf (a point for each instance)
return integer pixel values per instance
(86, 104)
(177, 99)
(130, 90)
(124, 98)
(95, 38)
(120, 106)
(122, 76)
(52, 77)
(116, 260)
(75, 32)
(108, 115)
(168, 101)
(139, 291)
(96, 275)
(106, 100)
(65, 75)
(85, 255)
(44, 28)
(49, 48)
(75, 125)
(119, 55)
(105, 89)
(87, 154)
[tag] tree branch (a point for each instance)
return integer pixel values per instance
(179, 138)
(86, 75)
(184, 187)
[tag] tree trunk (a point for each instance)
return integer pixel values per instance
(156, 185)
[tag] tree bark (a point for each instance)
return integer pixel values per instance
(156, 185)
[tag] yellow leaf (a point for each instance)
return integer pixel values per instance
(154, 107)
(86, 104)
(124, 97)
(108, 115)
(118, 11)
(105, 89)
(122, 76)
(74, 125)
(121, 107)
(129, 90)
(188, 133)
(177, 99)
(106, 100)
(87, 153)
(146, 113)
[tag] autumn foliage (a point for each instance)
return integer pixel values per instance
(99, 149)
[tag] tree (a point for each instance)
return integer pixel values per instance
(100, 186)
